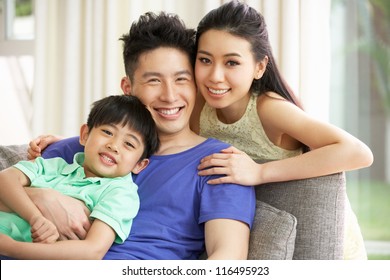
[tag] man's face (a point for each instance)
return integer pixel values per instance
(164, 82)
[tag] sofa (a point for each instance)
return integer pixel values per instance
(300, 219)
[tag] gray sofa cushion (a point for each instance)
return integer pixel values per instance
(318, 204)
(9, 155)
(272, 235)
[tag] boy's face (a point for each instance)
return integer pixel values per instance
(112, 151)
(164, 82)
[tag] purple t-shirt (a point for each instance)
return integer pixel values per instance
(175, 202)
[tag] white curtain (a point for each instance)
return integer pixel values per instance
(78, 58)
(299, 32)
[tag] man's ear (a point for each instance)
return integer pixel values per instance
(84, 132)
(126, 85)
(141, 165)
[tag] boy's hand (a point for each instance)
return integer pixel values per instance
(43, 230)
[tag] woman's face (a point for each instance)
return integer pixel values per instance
(225, 68)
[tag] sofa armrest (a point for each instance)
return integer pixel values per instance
(9, 155)
(318, 205)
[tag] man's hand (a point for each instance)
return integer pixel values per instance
(68, 214)
(37, 145)
(43, 230)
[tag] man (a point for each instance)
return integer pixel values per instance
(180, 214)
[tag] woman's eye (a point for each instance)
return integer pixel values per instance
(204, 60)
(232, 63)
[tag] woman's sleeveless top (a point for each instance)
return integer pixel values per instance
(247, 134)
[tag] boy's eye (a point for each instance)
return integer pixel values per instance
(106, 131)
(128, 144)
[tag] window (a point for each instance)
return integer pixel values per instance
(19, 20)
(360, 103)
(16, 69)
(17, 27)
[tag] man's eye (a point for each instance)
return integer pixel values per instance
(153, 81)
(182, 79)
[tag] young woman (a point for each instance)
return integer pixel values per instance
(245, 101)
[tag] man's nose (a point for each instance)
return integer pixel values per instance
(169, 92)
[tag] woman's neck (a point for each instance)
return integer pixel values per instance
(234, 112)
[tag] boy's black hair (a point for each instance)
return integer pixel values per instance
(126, 111)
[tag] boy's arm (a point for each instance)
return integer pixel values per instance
(226, 239)
(99, 239)
(13, 195)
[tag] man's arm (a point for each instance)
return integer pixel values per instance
(4, 208)
(227, 239)
(70, 215)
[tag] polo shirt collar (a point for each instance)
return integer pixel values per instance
(77, 167)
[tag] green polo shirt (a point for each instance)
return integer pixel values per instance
(114, 201)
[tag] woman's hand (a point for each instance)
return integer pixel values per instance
(236, 165)
(69, 215)
(37, 145)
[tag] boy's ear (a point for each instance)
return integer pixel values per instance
(141, 165)
(84, 132)
(126, 85)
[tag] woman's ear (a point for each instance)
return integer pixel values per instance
(84, 132)
(126, 85)
(260, 68)
(141, 165)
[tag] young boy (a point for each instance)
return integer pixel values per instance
(119, 136)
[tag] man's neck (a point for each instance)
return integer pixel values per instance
(176, 143)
